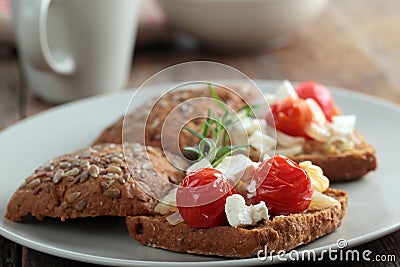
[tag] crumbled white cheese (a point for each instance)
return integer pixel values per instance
(343, 125)
(284, 91)
(238, 134)
(239, 214)
(237, 167)
(261, 144)
(286, 140)
(204, 163)
(317, 132)
(290, 151)
(240, 131)
(342, 133)
(252, 125)
(251, 189)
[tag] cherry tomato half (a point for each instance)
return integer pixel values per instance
(320, 94)
(201, 198)
(290, 116)
(283, 186)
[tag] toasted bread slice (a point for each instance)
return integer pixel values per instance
(337, 166)
(281, 233)
(341, 166)
(188, 113)
(95, 182)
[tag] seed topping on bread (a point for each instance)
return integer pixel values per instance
(96, 181)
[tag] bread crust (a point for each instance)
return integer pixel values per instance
(281, 233)
(108, 189)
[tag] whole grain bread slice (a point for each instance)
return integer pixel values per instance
(280, 233)
(341, 166)
(181, 108)
(337, 166)
(96, 181)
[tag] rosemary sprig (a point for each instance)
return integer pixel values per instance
(214, 139)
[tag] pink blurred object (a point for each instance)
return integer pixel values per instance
(152, 24)
(6, 31)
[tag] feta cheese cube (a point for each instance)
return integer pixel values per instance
(285, 90)
(236, 167)
(239, 214)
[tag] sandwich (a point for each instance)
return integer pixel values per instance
(302, 123)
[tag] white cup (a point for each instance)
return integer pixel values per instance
(75, 48)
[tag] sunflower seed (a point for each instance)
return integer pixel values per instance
(104, 185)
(137, 148)
(155, 123)
(121, 180)
(80, 205)
(113, 193)
(109, 176)
(117, 160)
(49, 167)
(46, 188)
(71, 172)
(147, 166)
(114, 169)
(85, 163)
(85, 154)
(64, 164)
(40, 174)
(94, 170)
(76, 163)
(84, 176)
(34, 183)
(36, 190)
(186, 110)
(58, 176)
(73, 196)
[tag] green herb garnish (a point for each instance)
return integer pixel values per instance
(214, 138)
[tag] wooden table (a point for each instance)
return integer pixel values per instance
(353, 44)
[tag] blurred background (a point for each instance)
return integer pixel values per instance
(351, 44)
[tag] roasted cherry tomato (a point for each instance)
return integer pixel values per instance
(283, 186)
(290, 116)
(201, 198)
(320, 94)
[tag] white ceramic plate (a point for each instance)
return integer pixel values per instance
(373, 201)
